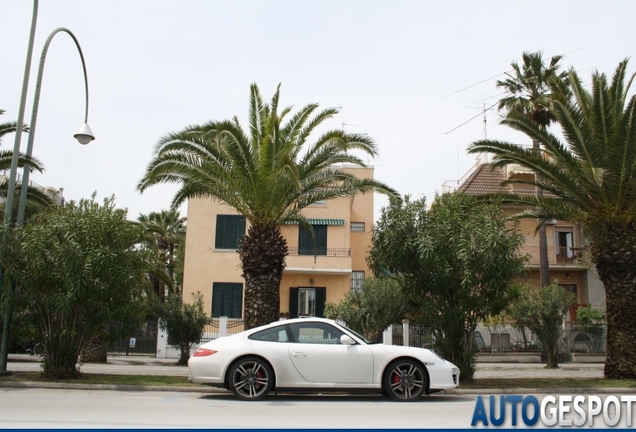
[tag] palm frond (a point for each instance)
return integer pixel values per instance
(590, 176)
(271, 173)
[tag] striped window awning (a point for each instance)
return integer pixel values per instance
(313, 221)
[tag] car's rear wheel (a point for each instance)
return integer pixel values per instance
(251, 378)
(405, 380)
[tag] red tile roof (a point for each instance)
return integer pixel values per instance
(485, 180)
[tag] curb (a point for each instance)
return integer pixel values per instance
(118, 387)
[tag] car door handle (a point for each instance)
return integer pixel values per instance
(299, 354)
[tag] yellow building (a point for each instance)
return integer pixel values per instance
(342, 228)
(567, 247)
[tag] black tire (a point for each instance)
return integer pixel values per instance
(251, 379)
(38, 350)
(405, 380)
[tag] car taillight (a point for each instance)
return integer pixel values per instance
(203, 352)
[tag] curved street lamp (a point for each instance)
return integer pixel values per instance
(84, 135)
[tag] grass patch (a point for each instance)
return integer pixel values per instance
(508, 383)
(135, 380)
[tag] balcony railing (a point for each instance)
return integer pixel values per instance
(332, 252)
(55, 196)
(565, 254)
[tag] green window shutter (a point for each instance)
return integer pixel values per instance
(305, 245)
(229, 230)
(321, 239)
(293, 302)
(321, 299)
(227, 299)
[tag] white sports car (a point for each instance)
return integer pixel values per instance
(317, 354)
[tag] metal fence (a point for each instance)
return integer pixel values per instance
(141, 342)
(222, 326)
(506, 339)
(574, 339)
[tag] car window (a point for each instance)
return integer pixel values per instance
(316, 333)
(274, 334)
(359, 336)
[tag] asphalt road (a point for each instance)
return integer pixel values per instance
(115, 409)
(206, 407)
(63, 408)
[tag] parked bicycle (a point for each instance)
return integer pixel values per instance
(35, 348)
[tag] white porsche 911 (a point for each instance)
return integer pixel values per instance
(317, 354)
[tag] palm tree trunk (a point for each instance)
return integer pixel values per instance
(95, 350)
(262, 252)
(614, 253)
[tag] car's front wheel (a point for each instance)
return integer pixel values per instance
(251, 378)
(405, 380)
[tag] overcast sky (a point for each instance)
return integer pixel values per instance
(411, 74)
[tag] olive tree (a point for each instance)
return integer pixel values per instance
(184, 323)
(77, 269)
(542, 311)
(455, 261)
(592, 322)
(370, 311)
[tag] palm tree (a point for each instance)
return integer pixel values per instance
(35, 196)
(7, 127)
(269, 174)
(529, 95)
(166, 231)
(591, 180)
(529, 87)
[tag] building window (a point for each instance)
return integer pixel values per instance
(229, 230)
(306, 246)
(357, 280)
(307, 301)
(357, 226)
(570, 288)
(227, 299)
(563, 244)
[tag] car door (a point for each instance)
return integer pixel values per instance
(319, 357)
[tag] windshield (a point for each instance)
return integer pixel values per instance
(359, 336)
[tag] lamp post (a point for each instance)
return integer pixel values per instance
(18, 133)
(84, 136)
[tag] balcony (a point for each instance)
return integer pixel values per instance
(330, 252)
(566, 255)
(334, 261)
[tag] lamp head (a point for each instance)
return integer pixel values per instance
(84, 135)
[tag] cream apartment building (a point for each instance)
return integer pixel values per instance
(342, 228)
(567, 247)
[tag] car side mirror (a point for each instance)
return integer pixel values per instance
(346, 340)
